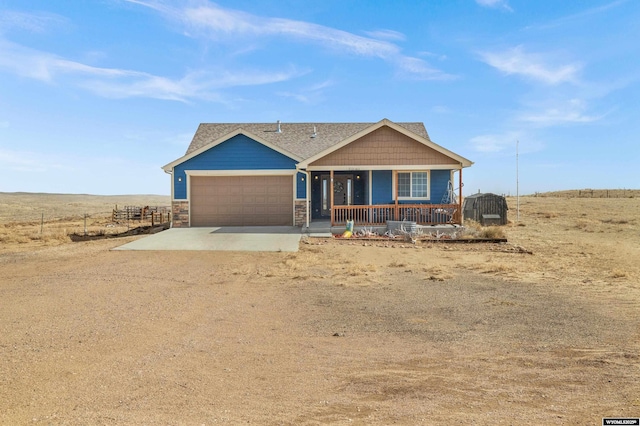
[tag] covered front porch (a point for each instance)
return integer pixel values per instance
(374, 197)
(374, 215)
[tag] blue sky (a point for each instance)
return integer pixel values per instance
(97, 95)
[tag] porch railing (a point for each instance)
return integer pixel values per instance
(422, 214)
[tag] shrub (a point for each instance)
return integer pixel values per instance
(491, 232)
(471, 224)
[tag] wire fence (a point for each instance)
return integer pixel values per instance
(71, 221)
(592, 193)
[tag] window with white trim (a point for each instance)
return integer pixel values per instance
(413, 185)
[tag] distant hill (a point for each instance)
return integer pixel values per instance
(26, 206)
(590, 193)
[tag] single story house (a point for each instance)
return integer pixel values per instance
(248, 174)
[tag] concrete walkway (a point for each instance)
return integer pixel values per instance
(252, 238)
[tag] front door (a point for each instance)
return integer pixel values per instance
(342, 192)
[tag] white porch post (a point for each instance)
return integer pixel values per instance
(460, 198)
(396, 215)
(331, 195)
(308, 201)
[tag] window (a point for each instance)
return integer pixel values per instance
(413, 185)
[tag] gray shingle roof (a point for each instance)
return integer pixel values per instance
(294, 137)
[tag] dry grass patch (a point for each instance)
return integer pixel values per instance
(361, 270)
(617, 221)
(586, 225)
(492, 232)
(436, 273)
(474, 229)
(617, 273)
(24, 233)
(497, 268)
(472, 225)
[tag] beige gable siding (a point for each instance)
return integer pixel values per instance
(383, 147)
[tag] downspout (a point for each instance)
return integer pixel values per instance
(170, 172)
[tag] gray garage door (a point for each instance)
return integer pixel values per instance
(241, 200)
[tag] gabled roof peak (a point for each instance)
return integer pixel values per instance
(301, 139)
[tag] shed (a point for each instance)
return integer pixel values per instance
(486, 209)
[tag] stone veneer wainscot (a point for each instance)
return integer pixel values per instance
(180, 211)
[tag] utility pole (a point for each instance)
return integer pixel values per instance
(517, 183)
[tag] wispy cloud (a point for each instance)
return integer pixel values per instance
(221, 24)
(308, 95)
(493, 143)
(587, 13)
(386, 35)
(441, 109)
(571, 112)
(533, 66)
(195, 85)
(31, 22)
(122, 83)
(495, 4)
(437, 56)
(421, 70)
(43, 66)
(27, 161)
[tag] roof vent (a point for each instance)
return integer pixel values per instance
(279, 129)
(314, 134)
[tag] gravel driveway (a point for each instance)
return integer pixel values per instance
(335, 333)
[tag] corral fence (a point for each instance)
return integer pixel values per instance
(154, 214)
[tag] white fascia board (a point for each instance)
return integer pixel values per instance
(274, 172)
(388, 167)
(224, 139)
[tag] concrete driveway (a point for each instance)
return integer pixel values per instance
(250, 238)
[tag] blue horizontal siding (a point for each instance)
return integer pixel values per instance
(238, 153)
(439, 184)
(382, 187)
(383, 192)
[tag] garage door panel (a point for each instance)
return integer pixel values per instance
(241, 200)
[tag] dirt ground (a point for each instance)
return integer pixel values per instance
(342, 332)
